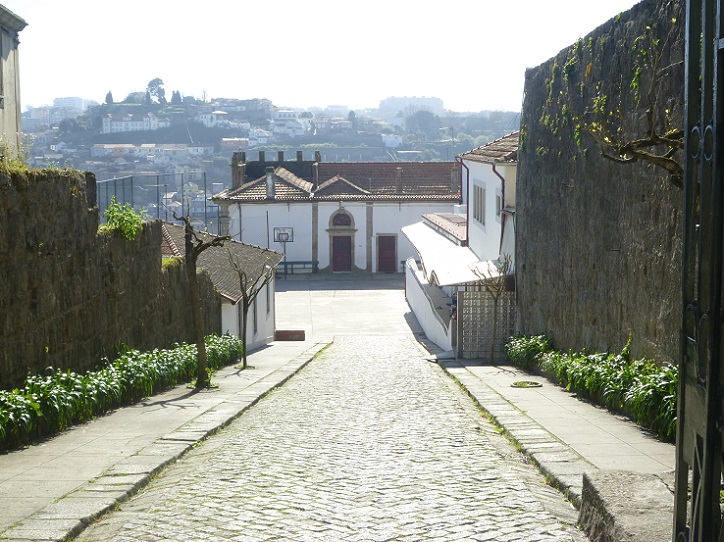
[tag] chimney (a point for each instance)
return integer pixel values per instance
(398, 180)
(317, 156)
(299, 156)
(280, 156)
(455, 178)
(238, 169)
(270, 183)
(262, 158)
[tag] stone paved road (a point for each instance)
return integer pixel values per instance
(368, 443)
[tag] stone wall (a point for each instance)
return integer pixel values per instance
(69, 296)
(599, 243)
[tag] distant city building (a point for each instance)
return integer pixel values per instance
(74, 103)
(233, 143)
(127, 122)
(395, 105)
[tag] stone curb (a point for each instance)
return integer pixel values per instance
(614, 506)
(554, 458)
(69, 516)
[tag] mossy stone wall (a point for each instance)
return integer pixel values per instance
(69, 296)
(599, 243)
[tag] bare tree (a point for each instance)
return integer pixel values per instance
(251, 284)
(195, 244)
(495, 283)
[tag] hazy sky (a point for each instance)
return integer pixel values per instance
(470, 53)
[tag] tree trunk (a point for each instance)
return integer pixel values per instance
(202, 376)
(245, 310)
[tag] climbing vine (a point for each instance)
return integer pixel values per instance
(630, 118)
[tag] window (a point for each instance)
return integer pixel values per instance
(342, 219)
(479, 203)
(498, 205)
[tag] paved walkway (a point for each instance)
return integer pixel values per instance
(54, 489)
(369, 442)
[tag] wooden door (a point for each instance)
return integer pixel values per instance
(386, 254)
(342, 253)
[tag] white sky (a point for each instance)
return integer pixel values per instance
(302, 53)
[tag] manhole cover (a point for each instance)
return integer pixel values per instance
(526, 384)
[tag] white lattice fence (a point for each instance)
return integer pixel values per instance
(475, 316)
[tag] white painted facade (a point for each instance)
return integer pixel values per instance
(262, 319)
(485, 214)
(254, 223)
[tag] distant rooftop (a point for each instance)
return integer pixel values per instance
(503, 150)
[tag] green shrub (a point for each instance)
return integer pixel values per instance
(639, 389)
(123, 219)
(52, 402)
(525, 351)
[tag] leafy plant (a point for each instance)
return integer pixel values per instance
(52, 402)
(525, 351)
(639, 389)
(123, 219)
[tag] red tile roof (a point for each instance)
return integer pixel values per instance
(358, 181)
(501, 150)
(251, 259)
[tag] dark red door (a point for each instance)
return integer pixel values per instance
(386, 253)
(341, 253)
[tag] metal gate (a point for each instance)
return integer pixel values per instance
(701, 421)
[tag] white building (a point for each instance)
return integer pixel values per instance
(257, 264)
(10, 110)
(213, 118)
(128, 122)
(338, 217)
(464, 257)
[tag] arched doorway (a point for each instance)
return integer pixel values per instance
(341, 241)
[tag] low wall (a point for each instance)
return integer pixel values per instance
(70, 297)
(423, 307)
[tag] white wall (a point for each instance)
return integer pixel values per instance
(484, 239)
(420, 303)
(231, 319)
(255, 225)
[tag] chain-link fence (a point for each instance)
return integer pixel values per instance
(164, 196)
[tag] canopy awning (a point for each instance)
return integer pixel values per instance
(446, 263)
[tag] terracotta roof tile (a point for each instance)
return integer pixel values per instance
(501, 150)
(251, 260)
(358, 181)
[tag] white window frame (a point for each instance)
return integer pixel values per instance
(479, 203)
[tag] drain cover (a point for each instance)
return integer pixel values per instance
(526, 384)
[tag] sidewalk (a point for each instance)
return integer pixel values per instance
(52, 490)
(618, 476)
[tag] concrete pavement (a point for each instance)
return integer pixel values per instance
(53, 489)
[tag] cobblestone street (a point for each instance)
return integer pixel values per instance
(369, 442)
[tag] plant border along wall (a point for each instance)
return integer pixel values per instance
(71, 296)
(599, 243)
(50, 403)
(640, 389)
